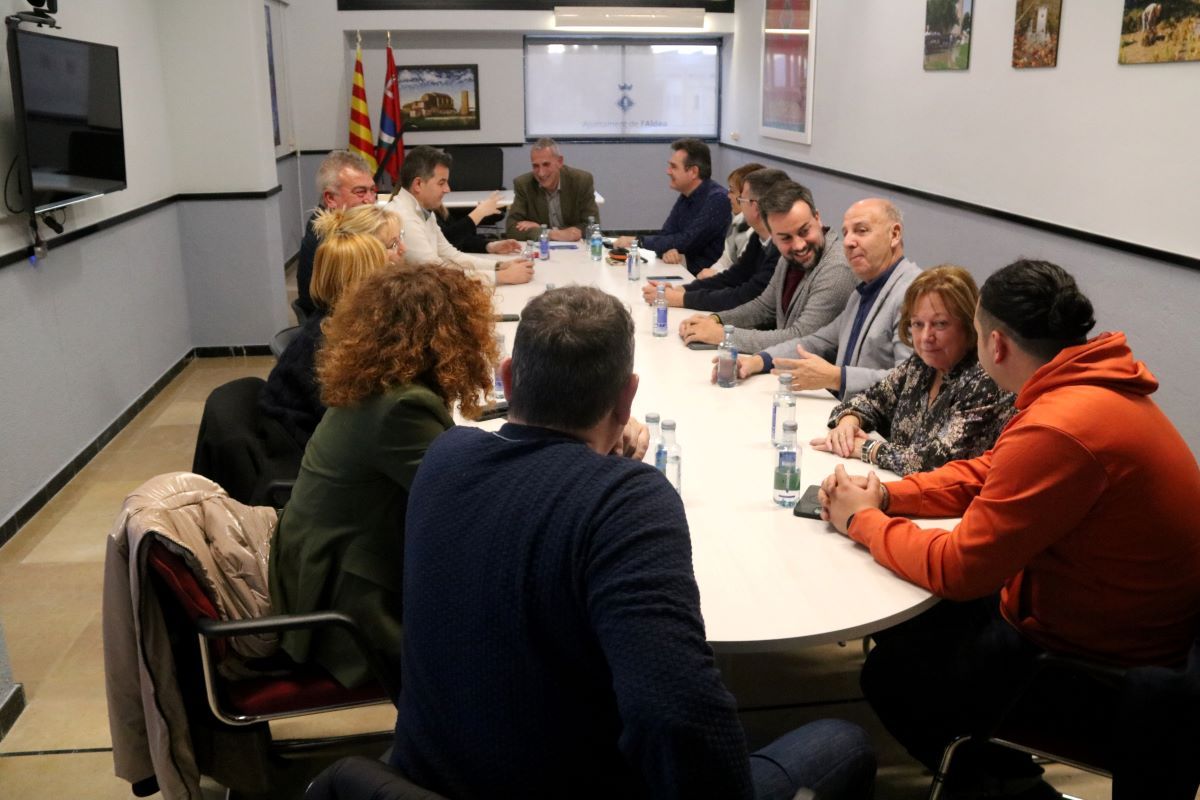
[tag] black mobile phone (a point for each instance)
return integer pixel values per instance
(701, 346)
(809, 506)
(619, 251)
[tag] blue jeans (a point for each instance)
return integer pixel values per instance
(831, 757)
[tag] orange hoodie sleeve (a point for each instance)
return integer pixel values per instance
(1034, 487)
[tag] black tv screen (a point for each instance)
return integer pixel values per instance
(67, 104)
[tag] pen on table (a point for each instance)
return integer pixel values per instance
(664, 277)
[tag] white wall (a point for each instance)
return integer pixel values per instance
(1091, 144)
(89, 329)
(212, 56)
(130, 25)
(322, 39)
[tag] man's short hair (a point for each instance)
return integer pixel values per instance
(420, 162)
(762, 181)
(1039, 306)
(782, 196)
(697, 155)
(331, 168)
(546, 143)
(572, 357)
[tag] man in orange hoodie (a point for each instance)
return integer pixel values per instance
(1082, 516)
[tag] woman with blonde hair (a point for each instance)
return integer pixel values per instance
(355, 243)
(402, 349)
(939, 405)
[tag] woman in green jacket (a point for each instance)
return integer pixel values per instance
(405, 346)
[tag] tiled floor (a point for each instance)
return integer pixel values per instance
(50, 588)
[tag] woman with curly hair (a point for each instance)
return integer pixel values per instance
(355, 242)
(401, 349)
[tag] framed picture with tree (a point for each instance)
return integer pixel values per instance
(948, 34)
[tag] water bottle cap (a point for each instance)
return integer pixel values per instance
(668, 425)
(789, 425)
(652, 417)
(785, 377)
(728, 329)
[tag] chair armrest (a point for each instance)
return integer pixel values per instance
(279, 623)
(278, 493)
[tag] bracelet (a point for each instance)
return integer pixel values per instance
(717, 317)
(887, 498)
(849, 521)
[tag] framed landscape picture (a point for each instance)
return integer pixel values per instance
(439, 97)
(948, 34)
(1035, 33)
(789, 45)
(1157, 32)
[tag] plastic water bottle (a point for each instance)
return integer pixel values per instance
(783, 408)
(660, 311)
(544, 244)
(596, 243)
(787, 468)
(727, 361)
(656, 440)
(671, 457)
(498, 385)
(633, 264)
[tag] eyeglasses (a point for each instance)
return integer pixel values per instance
(745, 200)
(363, 191)
(939, 326)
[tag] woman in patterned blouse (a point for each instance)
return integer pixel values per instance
(937, 406)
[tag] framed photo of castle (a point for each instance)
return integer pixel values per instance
(442, 97)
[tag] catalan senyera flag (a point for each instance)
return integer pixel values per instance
(360, 118)
(390, 123)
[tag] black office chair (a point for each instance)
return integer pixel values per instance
(243, 450)
(476, 167)
(1105, 719)
(359, 778)
(281, 340)
(300, 313)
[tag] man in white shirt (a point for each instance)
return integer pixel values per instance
(425, 176)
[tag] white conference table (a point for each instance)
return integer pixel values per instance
(768, 580)
(470, 199)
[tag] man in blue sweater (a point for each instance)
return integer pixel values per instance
(694, 232)
(752, 272)
(553, 639)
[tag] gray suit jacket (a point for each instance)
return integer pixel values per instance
(577, 199)
(817, 300)
(878, 348)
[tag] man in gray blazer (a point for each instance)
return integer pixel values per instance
(809, 287)
(552, 194)
(857, 348)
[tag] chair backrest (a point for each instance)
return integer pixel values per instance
(239, 447)
(476, 167)
(299, 311)
(189, 595)
(281, 340)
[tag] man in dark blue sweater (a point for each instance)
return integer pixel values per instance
(553, 639)
(695, 228)
(746, 279)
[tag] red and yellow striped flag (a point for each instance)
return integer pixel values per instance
(361, 140)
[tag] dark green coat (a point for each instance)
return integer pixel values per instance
(340, 541)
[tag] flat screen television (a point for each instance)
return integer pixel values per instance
(67, 107)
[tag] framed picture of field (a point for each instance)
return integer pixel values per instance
(444, 97)
(1153, 33)
(948, 34)
(1035, 34)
